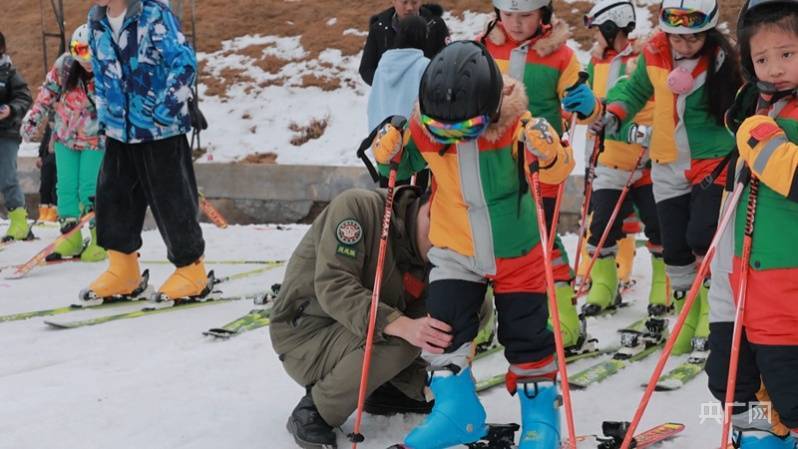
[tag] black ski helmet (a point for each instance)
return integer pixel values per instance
(461, 82)
(743, 41)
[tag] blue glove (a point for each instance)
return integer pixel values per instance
(579, 99)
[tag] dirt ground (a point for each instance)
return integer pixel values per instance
(217, 20)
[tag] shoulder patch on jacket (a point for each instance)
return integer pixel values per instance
(349, 232)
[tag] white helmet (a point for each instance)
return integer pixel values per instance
(619, 12)
(520, 5)
(81, 34)
(688, 16)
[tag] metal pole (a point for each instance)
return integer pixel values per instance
(44, 37)
(58, 13)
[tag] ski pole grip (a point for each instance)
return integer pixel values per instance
(399, 122)
(534, 164)
(583, 77)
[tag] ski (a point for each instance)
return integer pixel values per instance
(614, 433)
(502, 436)
(61, 310)
(679, 375)
(498, 379)
(210, 296)
(499, 436)
(146, 311)
(139, 294)
(638, 341)
(274, 262)
(255, 319)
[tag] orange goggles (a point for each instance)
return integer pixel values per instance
(80, 50)
(688, 18)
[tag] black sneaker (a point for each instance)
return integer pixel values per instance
(309, 429)
(388, 400)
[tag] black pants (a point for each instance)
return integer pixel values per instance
(47, 193)
(688, 223)
(775, 366)
(603, 202)
(523, 318)
(159, 174)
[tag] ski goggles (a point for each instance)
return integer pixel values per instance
(688, 18)
(448, 133)
(80, 50)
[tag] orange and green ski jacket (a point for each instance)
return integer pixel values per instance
(606, 69)
(681, 122)
(772, 303)
(546, 66)
(479, 207)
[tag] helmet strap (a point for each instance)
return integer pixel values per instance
(769, 95)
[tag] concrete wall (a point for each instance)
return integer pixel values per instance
(253, 193)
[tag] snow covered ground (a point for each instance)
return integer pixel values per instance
(258, 113)
(155, 382)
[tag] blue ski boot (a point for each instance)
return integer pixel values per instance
(761, 439)
(540, 415)
(457, 416)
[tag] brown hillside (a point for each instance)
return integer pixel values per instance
(219, 20)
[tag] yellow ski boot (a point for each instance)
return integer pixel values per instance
(121, 281)
(186, 283)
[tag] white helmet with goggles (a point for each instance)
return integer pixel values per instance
(688, 16)
(79, 46)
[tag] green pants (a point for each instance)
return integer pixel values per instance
(77, 172)
(331, 361)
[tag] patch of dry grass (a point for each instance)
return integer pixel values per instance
(306, 133)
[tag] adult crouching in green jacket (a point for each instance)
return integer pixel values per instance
(320, 317)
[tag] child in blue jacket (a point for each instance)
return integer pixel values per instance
(144, 71)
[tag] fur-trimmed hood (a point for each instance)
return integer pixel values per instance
(554, 36)
(514, 104)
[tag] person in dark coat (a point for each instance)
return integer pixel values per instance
(15, 99)
(384, 26)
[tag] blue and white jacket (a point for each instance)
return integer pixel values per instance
(143, 80)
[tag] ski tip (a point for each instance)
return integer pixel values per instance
(667, 385)
(56, 325)
(218, 333)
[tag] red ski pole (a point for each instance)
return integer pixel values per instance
(356, 436)
(39, 258)
(617, 209)
(703, 269)
(583, 77)
(586, 203)
(534, 183)
(742, 293)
